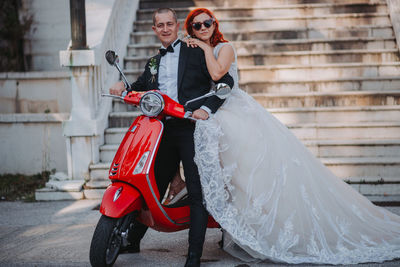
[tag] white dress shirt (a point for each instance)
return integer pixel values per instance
(168, 72)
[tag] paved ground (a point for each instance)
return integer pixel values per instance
(59, 234)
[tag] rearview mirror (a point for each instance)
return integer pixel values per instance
(111, 57)
(222, 90)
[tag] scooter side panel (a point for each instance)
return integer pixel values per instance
(141, 137)
(120, 199)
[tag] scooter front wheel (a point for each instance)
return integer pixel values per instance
(106, 242)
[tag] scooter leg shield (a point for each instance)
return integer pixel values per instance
(120, 199)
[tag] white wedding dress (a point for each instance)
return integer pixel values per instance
(275, 200)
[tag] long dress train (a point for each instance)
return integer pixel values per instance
(275, 200)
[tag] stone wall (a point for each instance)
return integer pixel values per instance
(40, 108)
(35, 92)
(31, 143)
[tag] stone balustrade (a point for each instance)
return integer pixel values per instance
(90, 76)
(394, 11)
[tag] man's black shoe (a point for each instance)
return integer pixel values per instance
(193, 260)
(131, 248)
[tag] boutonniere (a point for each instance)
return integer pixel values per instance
(153, 69)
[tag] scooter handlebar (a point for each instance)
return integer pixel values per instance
(113, 96)
(171, 108)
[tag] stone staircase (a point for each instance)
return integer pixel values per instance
(328, 69)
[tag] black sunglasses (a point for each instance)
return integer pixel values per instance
(207, 23)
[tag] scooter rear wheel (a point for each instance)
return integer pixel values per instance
(106, 242)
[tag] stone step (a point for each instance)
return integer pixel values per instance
(114, 135)
(375, 191)
(387, 83)
(372, 180)
(346, 130)
(293, 33)
(263, 3)
(379, 193)
(336, 114)
(297, 57)
(251, 74)
(264, 46)
(334, 99)
(319, 57)
(60, 190)
(354, 148)
(107, 152)
(258, 23)
(143, 4)
(119, 119)
(122, 119)
(118, 105)
(99, 184)
(364, 167)
(274, 11)
(46, 194)
(319, 148)
(94, 189)
(314, 131)
(99, 172)
(309, 72)
(323, 44)
(352, 169)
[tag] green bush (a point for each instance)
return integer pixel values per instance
(21, 187)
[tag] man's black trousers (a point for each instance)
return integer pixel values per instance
(177, 144)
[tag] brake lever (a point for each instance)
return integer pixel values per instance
(113, 96)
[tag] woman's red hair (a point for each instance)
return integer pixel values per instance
(217, 36)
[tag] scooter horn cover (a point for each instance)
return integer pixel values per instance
(120, 199)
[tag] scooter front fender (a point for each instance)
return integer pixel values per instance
(120, 199)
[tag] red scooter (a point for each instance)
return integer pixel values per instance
(133, 192)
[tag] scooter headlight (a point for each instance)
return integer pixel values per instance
(151, 104)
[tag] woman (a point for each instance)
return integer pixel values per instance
(273, 198)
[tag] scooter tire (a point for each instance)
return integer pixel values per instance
(106, 242)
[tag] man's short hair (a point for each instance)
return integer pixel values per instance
(164, 10)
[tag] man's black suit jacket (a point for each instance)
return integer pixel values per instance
(193, 79)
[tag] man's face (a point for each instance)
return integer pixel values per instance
(166, 28)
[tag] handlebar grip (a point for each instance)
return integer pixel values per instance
(188, 115)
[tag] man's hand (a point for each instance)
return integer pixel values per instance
(117, 88)
(200, 114)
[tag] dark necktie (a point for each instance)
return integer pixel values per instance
(163, 51)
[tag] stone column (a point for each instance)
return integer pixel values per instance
(78, 24)
(81, 130)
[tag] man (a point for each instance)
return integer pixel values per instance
(181, 73)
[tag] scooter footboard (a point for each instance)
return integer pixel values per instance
(120, 199)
